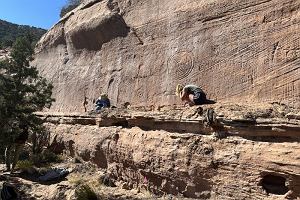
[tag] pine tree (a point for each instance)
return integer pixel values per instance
(22, 92)
(71, 5)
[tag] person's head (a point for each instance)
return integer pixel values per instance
(103, 96)
(179, 89)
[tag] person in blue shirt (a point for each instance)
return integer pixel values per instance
(102, 102)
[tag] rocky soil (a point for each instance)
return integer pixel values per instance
(81, 173)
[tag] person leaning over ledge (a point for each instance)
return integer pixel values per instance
(191, 95)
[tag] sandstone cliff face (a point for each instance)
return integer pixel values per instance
(254, 156)
(137, 51)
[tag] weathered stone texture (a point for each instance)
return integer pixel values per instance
(137, 51)
(193, 166)
(175, 152)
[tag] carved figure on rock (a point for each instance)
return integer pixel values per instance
(192, 95)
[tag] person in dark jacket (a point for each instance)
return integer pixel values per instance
(13, 150)
(191, 94)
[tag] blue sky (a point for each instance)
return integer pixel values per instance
(38, 13)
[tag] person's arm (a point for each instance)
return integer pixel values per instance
(183, 94)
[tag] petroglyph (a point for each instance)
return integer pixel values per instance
(242, 51)
(180, 65)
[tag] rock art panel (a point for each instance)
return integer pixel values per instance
(137, 51)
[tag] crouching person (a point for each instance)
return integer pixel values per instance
(102, 102)
(191, 95)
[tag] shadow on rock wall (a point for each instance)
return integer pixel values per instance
(93, 37)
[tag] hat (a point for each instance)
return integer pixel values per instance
(179, 89)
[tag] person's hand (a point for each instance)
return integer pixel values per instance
(181, 94)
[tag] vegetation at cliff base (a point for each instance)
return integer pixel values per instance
(9, 32)
(22, 92)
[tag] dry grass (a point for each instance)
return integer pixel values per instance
(85, 192)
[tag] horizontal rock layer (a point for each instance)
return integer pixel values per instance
(260, 163)
(137, 51)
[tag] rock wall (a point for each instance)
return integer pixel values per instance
(138, 50)
(261, 162)
(187, 165)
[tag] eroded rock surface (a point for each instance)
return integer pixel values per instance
(137, 51)
(261, 162)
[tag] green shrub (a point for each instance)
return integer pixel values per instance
(22, 92)
(51, 157)
(46, 157)
(25, 165)
(85, 192)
